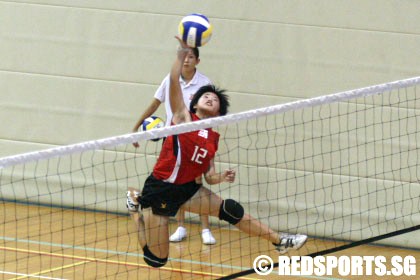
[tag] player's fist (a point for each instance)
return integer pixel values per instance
(229, 175)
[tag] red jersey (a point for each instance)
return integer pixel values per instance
(186, 156)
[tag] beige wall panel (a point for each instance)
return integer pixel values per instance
(306, 61)
(12, 147)
(375, 15)
(63, 110)
(84, 43)
(274, 58)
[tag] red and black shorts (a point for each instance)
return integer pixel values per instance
(164, 198)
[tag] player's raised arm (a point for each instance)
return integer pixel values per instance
(179, 110)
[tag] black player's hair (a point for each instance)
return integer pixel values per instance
(196, 52)
(223, 98)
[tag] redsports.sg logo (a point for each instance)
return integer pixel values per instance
(343, 265)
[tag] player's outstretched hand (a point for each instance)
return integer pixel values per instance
(183, 47)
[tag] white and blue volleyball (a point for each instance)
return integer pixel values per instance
(195, 30)
(152, 122)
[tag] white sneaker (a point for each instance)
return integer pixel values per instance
(132, 203)
(179, 235)
(207, 237)
(291, 241)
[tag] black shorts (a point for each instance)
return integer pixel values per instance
(165, 198)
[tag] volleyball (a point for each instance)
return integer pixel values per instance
(195, 30)
(152, 122)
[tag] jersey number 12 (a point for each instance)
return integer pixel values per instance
(199, 153)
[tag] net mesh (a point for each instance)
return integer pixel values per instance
(338, 168)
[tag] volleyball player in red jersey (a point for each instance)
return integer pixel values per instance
(176, 179)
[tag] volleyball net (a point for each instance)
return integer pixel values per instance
(341, 168)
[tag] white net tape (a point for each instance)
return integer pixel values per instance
(213, 122)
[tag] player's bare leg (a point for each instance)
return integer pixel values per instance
(181, 232)
(152, 231)
(157, 233)
(208, 203)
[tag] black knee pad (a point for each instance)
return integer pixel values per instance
(152, 260)
(231, 211)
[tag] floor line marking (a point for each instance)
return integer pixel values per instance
(29, 275)
(89, 259)
(65, 246)
(111, 252)
(54, 269)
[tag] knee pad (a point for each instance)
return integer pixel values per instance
(231, 211)
(152, 260)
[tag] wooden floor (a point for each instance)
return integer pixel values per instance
(50, 243)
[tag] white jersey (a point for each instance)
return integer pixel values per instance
(188, 90)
